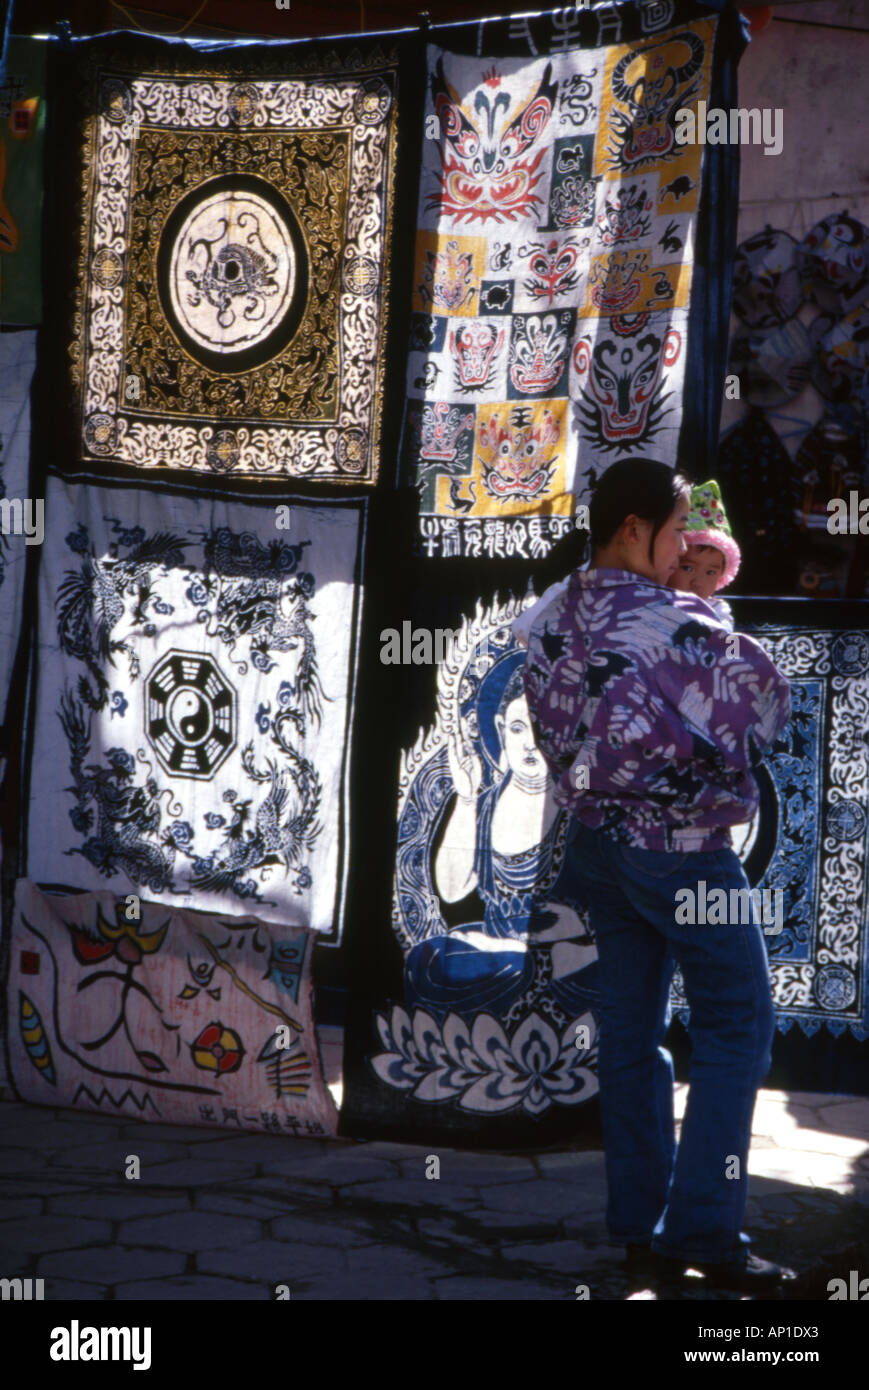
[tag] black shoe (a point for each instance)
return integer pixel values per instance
(749, 1274)
(641, 1261)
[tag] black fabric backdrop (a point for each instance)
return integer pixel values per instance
(393, 702)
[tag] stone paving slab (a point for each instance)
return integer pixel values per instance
(347, 1288)
(17, 1208)
(191, 1288)
(112, 1263)
(376, 1263)
(43, 1233)
(23, 1160)
(418, 1193)
(469, 1166)
(190, 1231)
(563, 1256)
(224, 1216)
(260, 1148)
(446, 1234)
(822, 1142)
(34, 1185)
(585, 1228)
(123, 1205)
(555, 1200)
(461, 1288)
(299, 1230)
(260, 1206)
(174, 1134)
(336, 1169)
(848, 1117)
(274, 1262)
(294, 1195)
(195, 1172)
(111, 1156)
(511, 1221)
(75, 1291)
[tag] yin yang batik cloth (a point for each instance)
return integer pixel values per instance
(194, 701)
(229, 239)
(557, 223)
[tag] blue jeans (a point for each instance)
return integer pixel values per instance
(681, 1198)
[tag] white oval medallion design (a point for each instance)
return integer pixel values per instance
(232, 271)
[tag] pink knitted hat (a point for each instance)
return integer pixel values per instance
(708, 525)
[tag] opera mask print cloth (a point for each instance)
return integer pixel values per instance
(194, 701)
(146, 1011)
(555, 247)
(229, 257)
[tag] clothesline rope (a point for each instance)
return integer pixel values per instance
(169, 34)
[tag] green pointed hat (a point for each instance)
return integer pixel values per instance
(707, 524)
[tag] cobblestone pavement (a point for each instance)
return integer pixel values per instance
(233, 1216)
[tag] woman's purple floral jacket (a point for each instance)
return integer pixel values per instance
(649, 712)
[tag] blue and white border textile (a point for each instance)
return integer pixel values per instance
(810, 837)
(196, 668)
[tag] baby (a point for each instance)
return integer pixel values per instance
(712, 559)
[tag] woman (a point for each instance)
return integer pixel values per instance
(507, 842)
(652, 717)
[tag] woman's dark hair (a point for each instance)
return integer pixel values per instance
(640, 486)
(634, 487)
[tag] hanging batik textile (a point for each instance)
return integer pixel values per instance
(807, 848)
(558, 222)
(488, 1033)
(157, 1013)
(23, 516)
(194, 701)
(22, 132)
(227, 289)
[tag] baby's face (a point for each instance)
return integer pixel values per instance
(700, 570)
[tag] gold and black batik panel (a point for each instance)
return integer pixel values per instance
(231, 296)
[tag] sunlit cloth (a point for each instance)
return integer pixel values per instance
(134, 1009)
(232, 215)
(195, 701)
(558, 225)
